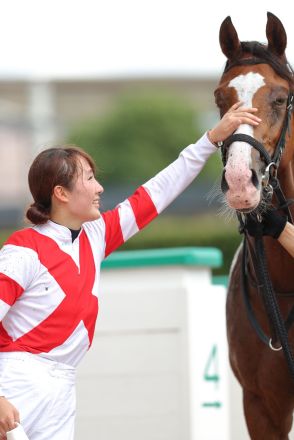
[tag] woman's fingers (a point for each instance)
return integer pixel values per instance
(247, 120)
(16, 416)
(235, 106)
(9, 415)
(235, 116)
(238, 107)
(244, 118)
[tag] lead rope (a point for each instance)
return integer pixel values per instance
(260, 286)
(245, 291)
(272, 305)
(278, 328)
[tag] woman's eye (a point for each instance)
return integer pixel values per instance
(91, 177)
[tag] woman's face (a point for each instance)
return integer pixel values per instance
(83, 199)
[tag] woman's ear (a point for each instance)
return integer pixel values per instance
(60, 194)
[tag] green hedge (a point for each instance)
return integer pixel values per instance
(172, 231)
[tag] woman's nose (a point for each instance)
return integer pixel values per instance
(100, 188)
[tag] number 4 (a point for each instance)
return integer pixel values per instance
(211, 369)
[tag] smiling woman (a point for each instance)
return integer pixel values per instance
(57, 177)
(49, 275)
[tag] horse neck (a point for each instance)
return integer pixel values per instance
(280, 262)
(286, 176)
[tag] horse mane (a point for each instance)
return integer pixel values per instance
(253, 52)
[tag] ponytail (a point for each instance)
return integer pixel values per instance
(37, 213)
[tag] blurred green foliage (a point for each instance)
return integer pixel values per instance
(139, 136)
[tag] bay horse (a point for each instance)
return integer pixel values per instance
(260, 76)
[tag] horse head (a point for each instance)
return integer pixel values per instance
(259, 76)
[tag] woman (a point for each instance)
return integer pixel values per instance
(49, 275)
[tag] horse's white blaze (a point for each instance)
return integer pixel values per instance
(242, 194)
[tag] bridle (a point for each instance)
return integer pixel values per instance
(270, 182)
(275, 159)
(270, 185)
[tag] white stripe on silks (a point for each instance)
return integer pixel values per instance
(16, 263)
(3, 309)
(33, 306)
(127, 220)
(64, 352)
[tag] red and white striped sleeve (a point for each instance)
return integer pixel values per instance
(154, 196)
(16, 272)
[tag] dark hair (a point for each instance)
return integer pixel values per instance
(54, 166)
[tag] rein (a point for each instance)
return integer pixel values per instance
(278, 327)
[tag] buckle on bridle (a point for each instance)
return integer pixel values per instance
(290, 105)
(269, 173)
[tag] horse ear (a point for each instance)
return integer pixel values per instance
(276, 35)
(228, 39)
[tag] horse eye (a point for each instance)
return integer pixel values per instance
(278, 102)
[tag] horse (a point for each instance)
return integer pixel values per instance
(259, 75)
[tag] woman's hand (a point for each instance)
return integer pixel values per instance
(8, 417)
(234, 117)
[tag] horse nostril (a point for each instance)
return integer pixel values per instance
(224, 184)
(254, 179)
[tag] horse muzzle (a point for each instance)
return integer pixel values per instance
(244, 189)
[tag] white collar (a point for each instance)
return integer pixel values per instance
(55, 231)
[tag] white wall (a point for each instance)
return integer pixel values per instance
(144, 377)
